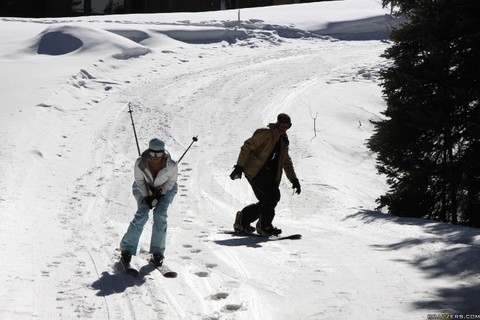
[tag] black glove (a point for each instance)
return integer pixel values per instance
(153, 201)
(236, 173)
(296, 186)
(157, 197)
(149, 201)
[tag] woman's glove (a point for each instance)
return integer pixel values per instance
(153, 201)
(149, 201)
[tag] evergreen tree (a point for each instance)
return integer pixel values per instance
(428, 145)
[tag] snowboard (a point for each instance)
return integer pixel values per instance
(164, 270)
(295, 236)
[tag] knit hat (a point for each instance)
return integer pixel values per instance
(285, 118)
(156, 145)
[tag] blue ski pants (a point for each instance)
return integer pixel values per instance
(159, 230)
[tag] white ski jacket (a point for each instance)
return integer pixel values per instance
(165, 179)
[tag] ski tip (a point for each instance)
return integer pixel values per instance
(166, 272)
(170, 274)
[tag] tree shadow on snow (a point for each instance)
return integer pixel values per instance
(457, 256)
(119, 281)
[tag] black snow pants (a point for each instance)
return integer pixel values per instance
(268, 194)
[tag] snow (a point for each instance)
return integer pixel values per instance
(67, 166)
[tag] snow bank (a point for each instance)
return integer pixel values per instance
(67, 39)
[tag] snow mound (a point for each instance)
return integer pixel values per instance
(234, 32)
(205, 35)
(58, 43)
(371, 28)
(64, 39)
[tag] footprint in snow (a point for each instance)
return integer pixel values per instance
(219, 296)
(232, 307)
(202, 274)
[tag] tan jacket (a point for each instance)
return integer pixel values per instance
(256, 150)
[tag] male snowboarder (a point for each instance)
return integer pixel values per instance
(154, 187)
(263, 158)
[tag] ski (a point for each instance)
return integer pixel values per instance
(128, 269)
(164, 270)
(295, 236)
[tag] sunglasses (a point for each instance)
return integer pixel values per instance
(156, 154)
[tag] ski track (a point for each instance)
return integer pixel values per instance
(216, 280)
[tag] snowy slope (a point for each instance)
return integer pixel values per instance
(67, 168)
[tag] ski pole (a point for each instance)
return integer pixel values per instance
(134, 131)
(194, 139)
